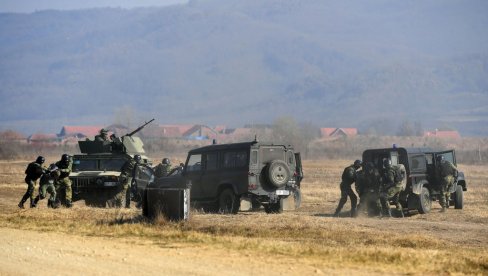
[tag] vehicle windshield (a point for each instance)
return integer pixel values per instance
(112, 164)
(85, 165)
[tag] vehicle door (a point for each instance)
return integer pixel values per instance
(298, 168)
(193, 173)
(210, 175)
(234, 169)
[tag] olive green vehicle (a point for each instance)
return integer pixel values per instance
(96, 171)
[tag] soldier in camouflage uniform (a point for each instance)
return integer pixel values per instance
(163, 168)
(46, 185)
(348, 177)
(368, 187)
(64, 183)
(33, 171)
(390, 188)
(446, 175)
(102, 136)
(126, 176)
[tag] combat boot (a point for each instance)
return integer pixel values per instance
(354, 213)
(336, 214)
(33, 203)
(21, 204)
(388, 213)
(36, 200)
(443, 209)
(69, 204)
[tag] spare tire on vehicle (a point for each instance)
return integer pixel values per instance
(278, 173)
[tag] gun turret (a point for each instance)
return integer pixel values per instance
(139, 128)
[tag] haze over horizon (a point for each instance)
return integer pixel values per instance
(333, 64)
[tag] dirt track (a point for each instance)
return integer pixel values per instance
(29, 252)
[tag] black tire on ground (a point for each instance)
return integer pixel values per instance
(458, 197)
(298, 198)
(274, 208)
(278, 173)
(229, 202)
(425, 202)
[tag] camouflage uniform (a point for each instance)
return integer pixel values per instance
(64, 183)
(33, 172)
(162, 170)
(102, 136)
(348, 178)
(126, 176)
(368, 187)
(47, 186)
(446, 174)
(390, 190)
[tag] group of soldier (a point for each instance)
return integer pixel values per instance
(53, 180)
(377, 188)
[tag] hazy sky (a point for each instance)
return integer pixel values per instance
(28, 6)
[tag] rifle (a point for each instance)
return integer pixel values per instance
(139, 128)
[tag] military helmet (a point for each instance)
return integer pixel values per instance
(40, 160)
(386, 163)
(65, 157)
(357, 163)
(440, 158)
(137, 158)
(166, 161)
(103, 131)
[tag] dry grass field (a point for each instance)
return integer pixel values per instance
(85, 240)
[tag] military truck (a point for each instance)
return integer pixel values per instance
(225, 176)
(96, 171)
(422, 184)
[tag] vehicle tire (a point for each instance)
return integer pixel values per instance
(425, 202)
(274, 208)
(228, 202)
(297, 195)
(278, 173)
(458, 197)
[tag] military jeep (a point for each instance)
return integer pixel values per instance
(422, 185)
(223, 177)
(95, 174)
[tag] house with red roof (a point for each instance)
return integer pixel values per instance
(443, 134)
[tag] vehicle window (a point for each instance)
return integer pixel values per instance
(144, 173)
(394, 158)
(211, 161)
(112, 164)
(448, 156)
(429, 159)
(194, 163)
(254, 157)
(269, 154)
(290, 158)
(418, 163)
(233, 159)
(85, 165)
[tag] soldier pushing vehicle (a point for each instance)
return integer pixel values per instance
(391, 187)
(46, 185)
(64, 183)
(447, 174)
(348, 178)
(33, 172)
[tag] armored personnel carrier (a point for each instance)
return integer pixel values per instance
(96, 171)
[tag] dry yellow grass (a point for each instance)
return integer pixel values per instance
(452, 243)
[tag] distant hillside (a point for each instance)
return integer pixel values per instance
(331, 63)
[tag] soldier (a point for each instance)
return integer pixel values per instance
(126, 175)
(102, 136)
(163, 168)
(33, 171)
(46, 184)
(348, 177)
(368, 187)
(391, 187)
(447, 175)
(65, 166)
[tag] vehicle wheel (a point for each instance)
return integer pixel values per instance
(274, 208)
(458, 197)
(425, 202)
(278, 173)
(297, 195)
(228, 202)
